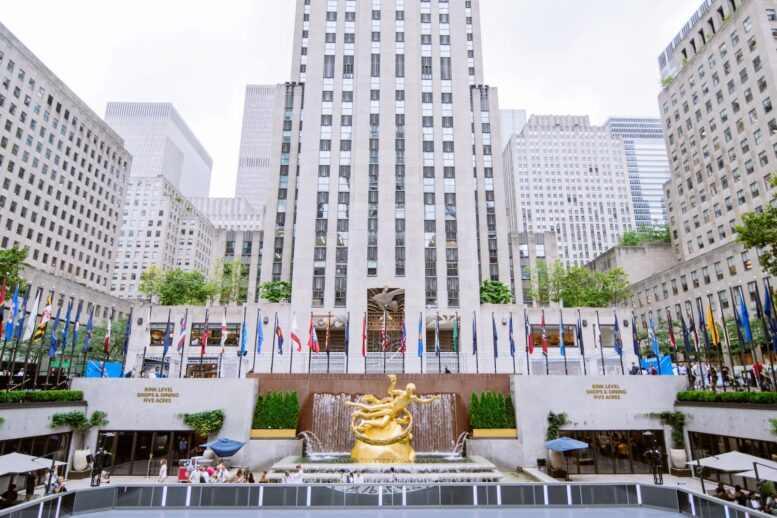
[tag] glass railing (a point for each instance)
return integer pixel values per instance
(232, 496)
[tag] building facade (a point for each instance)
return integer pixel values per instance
(253, 170)
(647, 163)
(162, 144)
(570, 178)
(64, 173)
(512, 122)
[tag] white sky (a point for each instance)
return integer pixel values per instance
(594, 57)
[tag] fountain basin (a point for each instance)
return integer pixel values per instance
(494, 433)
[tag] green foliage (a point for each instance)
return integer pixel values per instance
(555, 421)
(495, 292)
(2, 420)
(11, 264)
(578, 286)
(759, 398)
(234, 283)
(759, 230)
(275, 291)
(773, 422)
(205, 423)
(645, 234)
(77, 420)
(19, 396)
(176, 287)
(491, 410)
(766, 488)
(276, 410)
(666, 80)
(677, 421)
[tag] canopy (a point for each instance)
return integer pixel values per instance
(565, 444)
(224, 447)
(21, 463)
(734, 461)
(764, 473)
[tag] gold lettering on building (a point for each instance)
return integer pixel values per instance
(157, 395)
(606, 391)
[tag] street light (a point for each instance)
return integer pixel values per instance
(655, 458)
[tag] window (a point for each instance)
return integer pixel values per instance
(347, 66)
(426, 67)
(399, 67)
(445, 68)
(329, 66)
(375, 65)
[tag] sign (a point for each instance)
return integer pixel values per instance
(666, 365)
(158, 395)
(98, 369)
(606, 391)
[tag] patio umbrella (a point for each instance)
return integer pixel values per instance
(733, 461)
(224, 447)
(763, 474)
(21, 463)
(563, 444)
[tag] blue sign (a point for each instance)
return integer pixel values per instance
(666, 365)
(98, 369)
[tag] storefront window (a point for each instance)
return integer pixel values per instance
(612, 451)
(39, 445)
(139, 453)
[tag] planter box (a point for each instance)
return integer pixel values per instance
(285, 433)
(494, 433)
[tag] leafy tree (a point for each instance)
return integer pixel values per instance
(547, 282)
(645, 234)
(495, 292)
(578, 286)
(630, 238)
(275, 291)
(234, 282)
(176, 286)
(11, 264)
(759, 230)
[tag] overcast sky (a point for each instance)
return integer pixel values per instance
(594, 57)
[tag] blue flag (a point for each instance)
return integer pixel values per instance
(745, 318)
(561, 349)
(66, 326)
(769, 312)
(703, 329)
(88, 336)
(653, 338)
(686, 335)
(474, 335)
(260, 334)
(22, 314)
(243, 336)
(579, 332)
(512, 340)
(634, 340)
(617, 342)
(496, 336)
(420, 335)
(75, 328)
(53, 344)
(166, 341)
(14, 312)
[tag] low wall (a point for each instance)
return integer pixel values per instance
(261, 454)
(460, 384)
(506, 454)
(735, 420)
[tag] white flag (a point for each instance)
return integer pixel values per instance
(31, 319)
(223, 332)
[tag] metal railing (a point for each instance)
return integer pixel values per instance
(234, 496)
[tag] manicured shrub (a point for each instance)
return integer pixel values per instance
(491, 410)
(38, 396)
(276, 410)
(761, 398)
(205, 423)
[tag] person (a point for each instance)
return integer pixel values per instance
(250, 478)
(183, 447)
(341, 476)
(634, 370)
(30, 480)
(60, 485)
(263, 479)
(105, 477)
(653, 370)
(222, 474)
(713, 377)
(738, 495)
(358, 478)
(349, 478)
(287, 478)
(298, 475)
(162, 471)
(204, 476)
(720, 492)
(240, 477)
(11, 495)
(392, 475)
(755, 501)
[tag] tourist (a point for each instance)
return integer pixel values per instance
(240, 477)
(183, 447)
(105, 477)
(634, 370)
(298, 475)
(713, 377)
(222, 474)
(755, 501)
(30, 480)
(162, 471)
(263, 479)
(341, 476)
(10, 496)
(738, 495)
(59, 486)
(250, 477)
(203, 475)
(770, 503)
(392, 475)
(358, 478)
(720, 492)
(287, 478)
(349, 478)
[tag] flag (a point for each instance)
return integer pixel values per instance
(692, 328)
(528, 333)
(670, 324)
(456, 333)
(653, 338)
(223, 331)
(561, 349)
(243, 336)
(496, 336)
(40, 329)
(14, 313)
(686, 335)
(420, 336)
(88, 335)
(384, 339)
(634, 339)
(328, 332)
(769, 313)
(295, 332)
(279, 335)
(166, 340)
(181, 335)
(205, 333)
(544, 337)
(579, 332)
(364, 336)
(23, 313)
(76, 326)
(437, 335)
(737, 324)
(745, 317)
(2, 303)
(713, 326)
(474, 335)
(107, 341)
(403, 345)
(346, 338)
(128, 330)
(617, 342)
(54, 340)
(66, 327)
(259, 333)
(312, 336)
(512, 339)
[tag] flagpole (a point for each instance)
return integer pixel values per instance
(544, 344)
(423, 351)
(527, 329)
(65, 332)
(221, 349)
(579, 340)
(183, 345)
(31, 341)
(274, 335)
(292, 328)
(768, 338)
(328, 327)
(87, 336)
(753, 347)
(384, 338)
(243, 339)
(256, 338)
(2, 329)
(740, 336)
(458, 344)
(601, 346)
(764, 325)
(347, 339)
(512, 343)
(364, 341)
(42, 346)
(475, 340)
(620, 338)
(18, 329)
(310, 345)
(74, 344)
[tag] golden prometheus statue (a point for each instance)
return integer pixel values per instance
(382, 427)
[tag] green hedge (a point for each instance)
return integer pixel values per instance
(37, 396)
(276, 410)
(762, 398)
(205, 423)
(491, 410)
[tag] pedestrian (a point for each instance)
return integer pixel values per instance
(162, 471)
(251, 477)
(634, 370)
(287, 479)
(30, 480)
(755, 501)
(183, 447)
(298, 475)
(60, 485)
(392, 475)
(349, 478)
(358, 478)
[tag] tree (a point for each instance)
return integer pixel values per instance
(176, 286)
(234, 285)
(759, 230)
(578, 286)
(547, 282)
(275, 291)
(11, 264)
(495, 292)
(645, 234)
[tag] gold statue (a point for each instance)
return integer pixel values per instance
(382, 426)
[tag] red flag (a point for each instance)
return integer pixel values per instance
(205, 334)
(544, 336)
(529, 337)
(312, 336)
(671, 330)
(107, 342)
(295, 333)
(2, 294)
(364, 336)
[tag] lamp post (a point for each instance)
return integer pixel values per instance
(655, 458)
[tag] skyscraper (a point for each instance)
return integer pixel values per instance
(647, 164)
(512, 122)
(399, 164)
(256, 144)
(161, 143)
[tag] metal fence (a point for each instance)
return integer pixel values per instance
(269, 496)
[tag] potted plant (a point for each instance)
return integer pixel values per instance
(276, 416)
(555, 421)
(79, 423)
(492, 416)
(205, 423)
(676, 420)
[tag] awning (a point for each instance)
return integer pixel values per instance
(21, 463)
(565, 444)
(764, 473)
(734, 461)
(224, 447)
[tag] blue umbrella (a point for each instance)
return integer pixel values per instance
(224, 447)
(565, 444)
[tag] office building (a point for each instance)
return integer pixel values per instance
(511, 123)
(253, 170)
(571, 178)
(647, 164)
(162, 144)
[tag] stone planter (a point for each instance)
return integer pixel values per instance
(79, 459)
(678, 458)
(494, 433)
(284, 433)
(556, 459)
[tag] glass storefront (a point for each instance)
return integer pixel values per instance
(39, 445)
(707, 444)
(612, 451)
(139, 453)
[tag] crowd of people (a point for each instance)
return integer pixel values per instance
(752, 499)
(201, 474)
